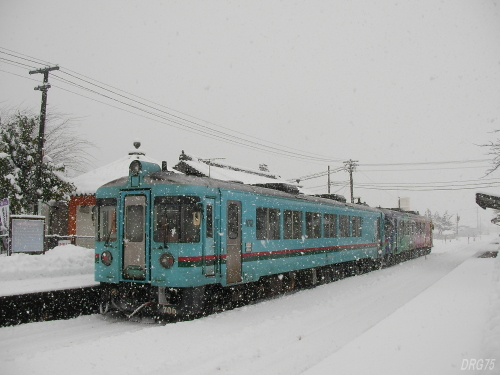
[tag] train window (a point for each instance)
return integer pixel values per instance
(313, 225)
(106, 214)
(344, 227)
(357, 223)
(377, 229)
(233, 221)
(210, 221)
(267, 223)
(330, 225)
(292, 224)
(175, 219)
(134, 223)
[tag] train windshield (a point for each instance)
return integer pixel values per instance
(177, 219)
(106, 214)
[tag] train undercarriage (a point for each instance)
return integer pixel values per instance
(164, 303)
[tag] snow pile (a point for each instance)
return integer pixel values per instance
(61, 261)
(492, 332)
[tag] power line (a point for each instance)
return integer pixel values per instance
(191, 125)
(179, 120)
(423, 169)
(16, 63)
(428, 162)
(416, 187)
(183, 113)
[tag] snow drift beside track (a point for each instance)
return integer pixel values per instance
(61, 261)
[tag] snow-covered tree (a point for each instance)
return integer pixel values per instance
(442, 223)
(495, 152)
(64, 145)
(428, 214)
(19, 164)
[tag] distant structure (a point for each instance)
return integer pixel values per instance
(404, 203)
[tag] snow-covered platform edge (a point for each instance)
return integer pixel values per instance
(434, 332)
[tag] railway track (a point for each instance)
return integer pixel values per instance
(71, 303)
(43, 306)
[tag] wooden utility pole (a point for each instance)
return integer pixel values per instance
(43, 111)
(350, 166)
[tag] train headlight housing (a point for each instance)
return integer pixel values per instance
(135, 168)
(166, 260)
(106, 258)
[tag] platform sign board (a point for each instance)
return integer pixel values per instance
(4, 224)
(27, 234)
(4, 214)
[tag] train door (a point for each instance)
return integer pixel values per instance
(209, 239)
(390, 232)
(233, 242)
(377, 237)
(135, 238)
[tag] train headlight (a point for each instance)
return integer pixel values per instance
(106, 258)
(166, 260)
(135, 168)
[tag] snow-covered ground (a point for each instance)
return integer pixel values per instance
(63, 267)
(426, 316)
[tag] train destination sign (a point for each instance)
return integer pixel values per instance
(27, 234)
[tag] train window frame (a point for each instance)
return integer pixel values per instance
(233, 220)
(344, 226)
(313, 224)
(178, 212)
(267, 223)
(209, 230)
(378, 235)
(357, 226)
(330, 225)
(292, 225)
(106, 213)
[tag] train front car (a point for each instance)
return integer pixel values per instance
(144, 230)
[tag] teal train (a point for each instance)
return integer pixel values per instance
(180, 245)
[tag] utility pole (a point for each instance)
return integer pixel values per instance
(350, 166)
(43, 111)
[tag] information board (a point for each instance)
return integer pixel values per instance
(27, 235)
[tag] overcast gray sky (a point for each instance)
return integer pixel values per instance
(381, 82)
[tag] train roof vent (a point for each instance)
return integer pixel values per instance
(335, 197)
(401, 210)
(280, 186)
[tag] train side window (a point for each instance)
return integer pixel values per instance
(313, 225)
(330, 225)
(344, 227)
(357, 223)
(174, 219)
(292, 224)
(377, 229)
(267, 223)
(210, 221)
(106, 214)
(233, 221)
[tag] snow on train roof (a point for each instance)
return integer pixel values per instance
(222, 171)
(214, 168)
(88, 183)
